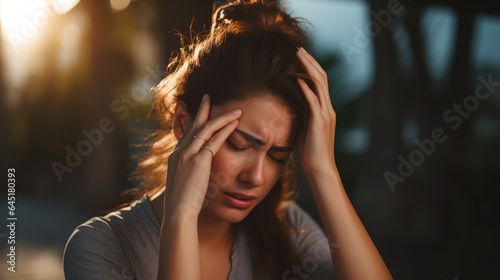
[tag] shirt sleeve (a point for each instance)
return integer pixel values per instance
(315, 261)
(94, 252)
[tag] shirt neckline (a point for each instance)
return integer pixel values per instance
(233, 256)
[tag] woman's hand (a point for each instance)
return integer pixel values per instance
(189, 164)
(354, 254)
(315, 147)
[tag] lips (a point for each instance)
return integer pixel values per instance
(240, 196)
(239, 200)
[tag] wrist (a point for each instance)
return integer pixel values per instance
(181, 214)
(324, 176)
(321, 168)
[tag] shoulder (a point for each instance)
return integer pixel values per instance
(102, 246)
(94, 251)
(313, 247)
(299, 218)
(306, 229)
(93, 236)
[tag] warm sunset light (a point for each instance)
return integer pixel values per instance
(26, 29)
(22, 19)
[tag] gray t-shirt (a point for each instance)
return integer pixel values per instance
(124, 245)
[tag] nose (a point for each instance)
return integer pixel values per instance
(253, 172)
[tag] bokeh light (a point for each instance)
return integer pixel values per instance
(119, 5)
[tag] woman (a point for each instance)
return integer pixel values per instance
(238, 103)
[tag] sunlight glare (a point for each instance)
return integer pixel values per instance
(24, 18)
(70, 38)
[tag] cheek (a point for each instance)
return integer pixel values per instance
(274, 174)
(227, 162)
(225, 169)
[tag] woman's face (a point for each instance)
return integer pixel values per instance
(252, 159)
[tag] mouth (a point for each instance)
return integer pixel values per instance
(239, 200)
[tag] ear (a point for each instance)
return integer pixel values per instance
(181, 120)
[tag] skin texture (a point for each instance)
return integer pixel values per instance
(197, 227)
(253, 168)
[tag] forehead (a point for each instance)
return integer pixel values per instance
(264, 118)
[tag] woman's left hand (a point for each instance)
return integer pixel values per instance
(359, 259)
(315, 145)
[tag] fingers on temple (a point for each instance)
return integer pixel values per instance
(203, 111)
(209, 129)
(220, 136)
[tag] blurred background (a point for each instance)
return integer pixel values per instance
(415, 84)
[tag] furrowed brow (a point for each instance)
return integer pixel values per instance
(258, 141)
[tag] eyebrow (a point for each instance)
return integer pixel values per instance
(262, 143)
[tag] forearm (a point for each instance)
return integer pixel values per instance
(179, 256)
(353, 252)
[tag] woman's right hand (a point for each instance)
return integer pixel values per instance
(189, 164)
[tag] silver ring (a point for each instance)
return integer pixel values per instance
(198, 137)
(210, 150)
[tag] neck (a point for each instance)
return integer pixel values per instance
(213, 232)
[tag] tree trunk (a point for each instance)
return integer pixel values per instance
(101, 176)
(384, 109)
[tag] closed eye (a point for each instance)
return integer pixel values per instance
(234, 146)
(240, 149)
(280, 161)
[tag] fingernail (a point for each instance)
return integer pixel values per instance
(204, 97)
(235, 122)
(237, 111)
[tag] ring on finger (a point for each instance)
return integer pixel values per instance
(198, 137)
(210, 150)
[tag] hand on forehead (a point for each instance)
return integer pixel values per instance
(263, 119)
